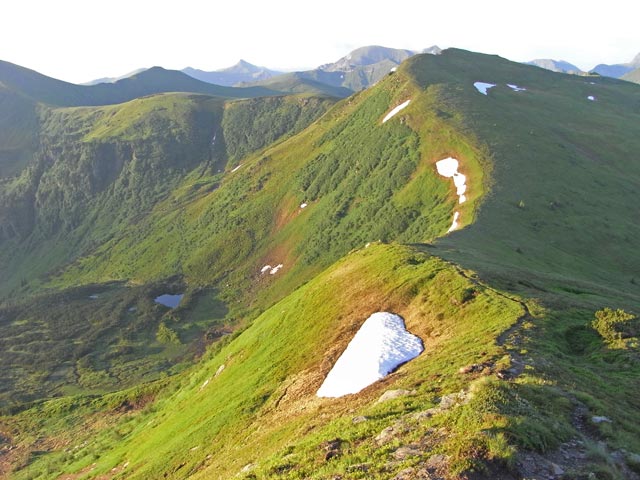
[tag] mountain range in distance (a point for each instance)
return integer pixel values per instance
(358, 70)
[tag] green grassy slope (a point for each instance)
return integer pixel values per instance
(19, 125)
(100, 169)
(563, 168)
(263, 400)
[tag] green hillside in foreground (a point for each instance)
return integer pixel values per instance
(528, 311)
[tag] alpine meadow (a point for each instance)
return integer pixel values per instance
(184, 264)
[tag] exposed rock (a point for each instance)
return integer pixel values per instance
(386, 435)
(414, 473)
(408, 451)
(359, 419)
(359, 467)
(425, 414)
(437, 461)
(476, 368)
(248, 467)
(448, 401)
(391, 394)
(389, 433)
(557, 469)
(332, 448)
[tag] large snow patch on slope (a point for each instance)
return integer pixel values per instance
(379, 347)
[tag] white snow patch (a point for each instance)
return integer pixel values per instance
(592, 98)
(394, 69)
(206, 382)
(516, 88)
(379, 347)
(93, 297)
(448, 167)
(275, 269)
(236, 169)
(395, 110)
(304, 205)
(482, 87)
(459, 180)
(265, 268)
(454, 224)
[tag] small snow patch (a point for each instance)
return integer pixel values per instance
(448, 168)
(482, 87)
(93, 297)
(516, 88)
(395, 110)
(236, 169)
(592, 98)
(206, 382)
(265, 268)
(454, 224)
(378, 348)
(393, 69)
(304, 205)
(275, 269)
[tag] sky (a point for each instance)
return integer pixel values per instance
(80, 40)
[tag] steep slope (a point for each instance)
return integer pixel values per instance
(242, 72)
(96, 173)
(154, 80)
(555, 65)
(554, 135)
(19, 125)
(257, 397)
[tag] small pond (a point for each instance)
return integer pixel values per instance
(169, 300)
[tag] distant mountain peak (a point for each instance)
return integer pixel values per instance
(555, 65)
(243, 67)
(635, 62)
(115, 79)
(241, 73)
(368, 55)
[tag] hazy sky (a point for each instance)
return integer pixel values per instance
(80, 40)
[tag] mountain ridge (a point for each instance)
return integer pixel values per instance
(153, 80)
